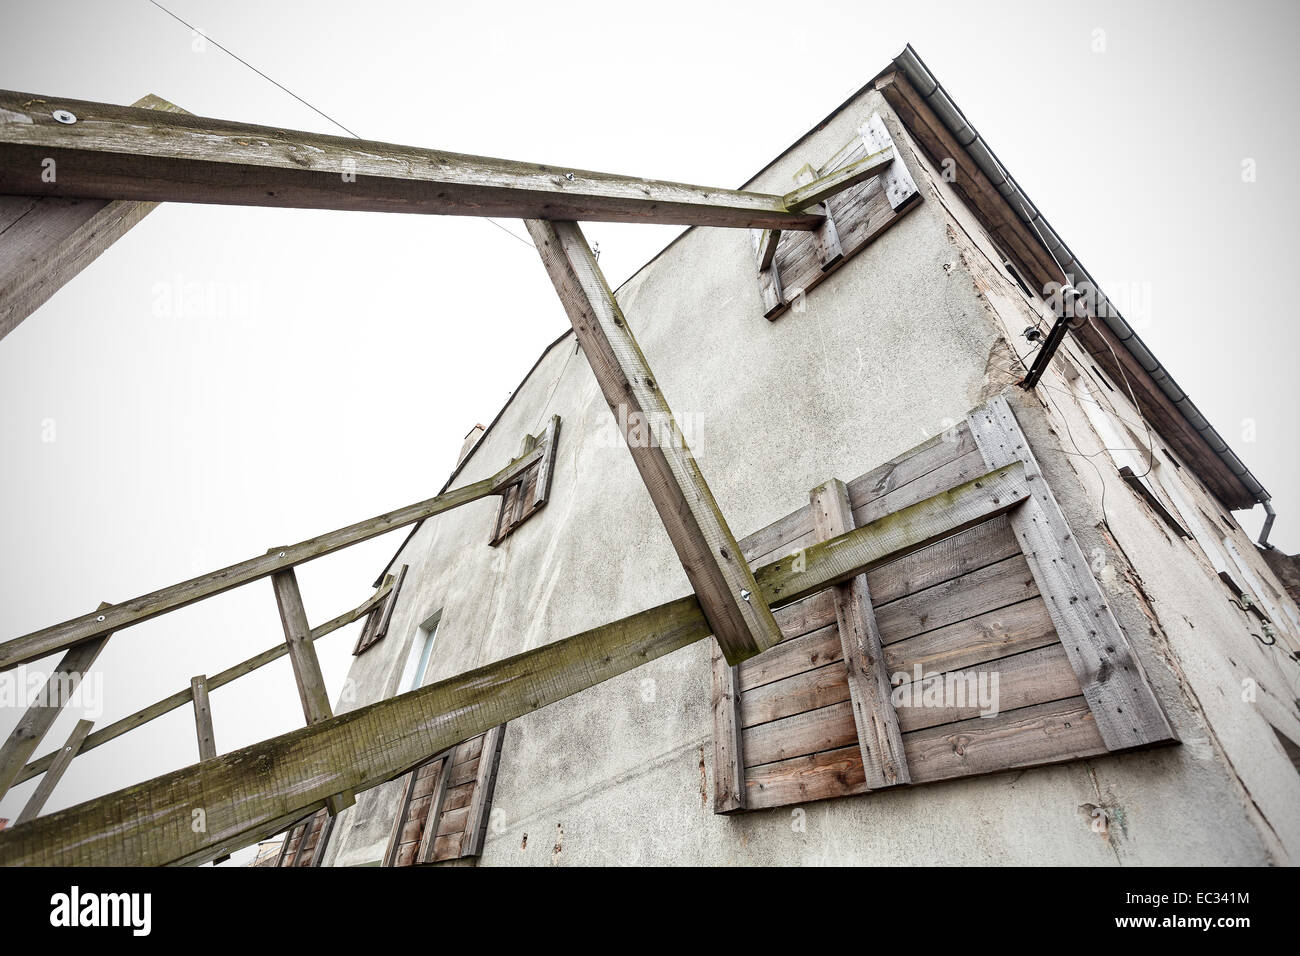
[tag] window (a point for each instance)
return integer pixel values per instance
(446, 802)
(417, 665)
(527, 486)
(791, 263)
(377, 620)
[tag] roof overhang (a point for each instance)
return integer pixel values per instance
(942, 130)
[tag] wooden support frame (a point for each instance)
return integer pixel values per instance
(203, 717)
(48, 240)
(816, 189)
(306, 666)
(181, 698)
(62, 759)
(879, 736)
(59, 636)
(40, 717)
(741, 620)
(259, 790)
(1127, 712)
(120, 152)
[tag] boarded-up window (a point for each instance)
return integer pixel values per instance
(381, 614)
(528, 486)
(791, 263)
(968, 629)
(446, 802)
(304, 844)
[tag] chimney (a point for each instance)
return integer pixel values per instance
(470, 441)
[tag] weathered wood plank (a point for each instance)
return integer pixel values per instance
(116, 152)
(997, 585)
(798, 735)
(1047, 733)
(49, 703)
(740, 618)
(805, 690)
(728, 759)
(48, 240)
(1125, 707)
(59, 636)
(437, 804)
(794, 656)
(878, 730)
(821, 188)
(832, 773)
(306, 666)
(1034, 677)
(282, 779)
(203, 717)
(1000, 633)
(51, 779)
(942, 561)
(476, 814)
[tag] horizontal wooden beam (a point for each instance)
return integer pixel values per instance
(120, 152)
(244, 792)
(50, 639)
(48, 240)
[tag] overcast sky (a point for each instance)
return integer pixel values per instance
(334, 361)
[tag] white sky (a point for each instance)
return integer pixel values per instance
(340, 358)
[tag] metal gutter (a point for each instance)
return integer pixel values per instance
(938, 100)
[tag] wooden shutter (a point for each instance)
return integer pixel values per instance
(377, 620)
(530, 486)
(792, 263)
(304, 844)
(446, 802)
(800, 722)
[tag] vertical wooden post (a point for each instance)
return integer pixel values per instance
(203, 717)
(33, 725)
(306, 666)
(56, 771)
(728, 753)
(879, 736)
(736, 611)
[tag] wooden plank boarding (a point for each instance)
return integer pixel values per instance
(48, 240)
(722, 579)
(203, 717)
(260, 789)
(476, 820)
(1126, 709)
(118, 152)
(879, 736)
(39, 718)
(51, 779)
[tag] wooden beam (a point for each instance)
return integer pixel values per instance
(1127, 712)
(41, 715)
(879, 735)
(60, 766)
(183, 697)
(49, 239)
(306, 666)
(818, 189)
(120, 152)
(203, 717)
(50, 639)
(258, 790)
(741, 620)
(471, 840)
(728, 748)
